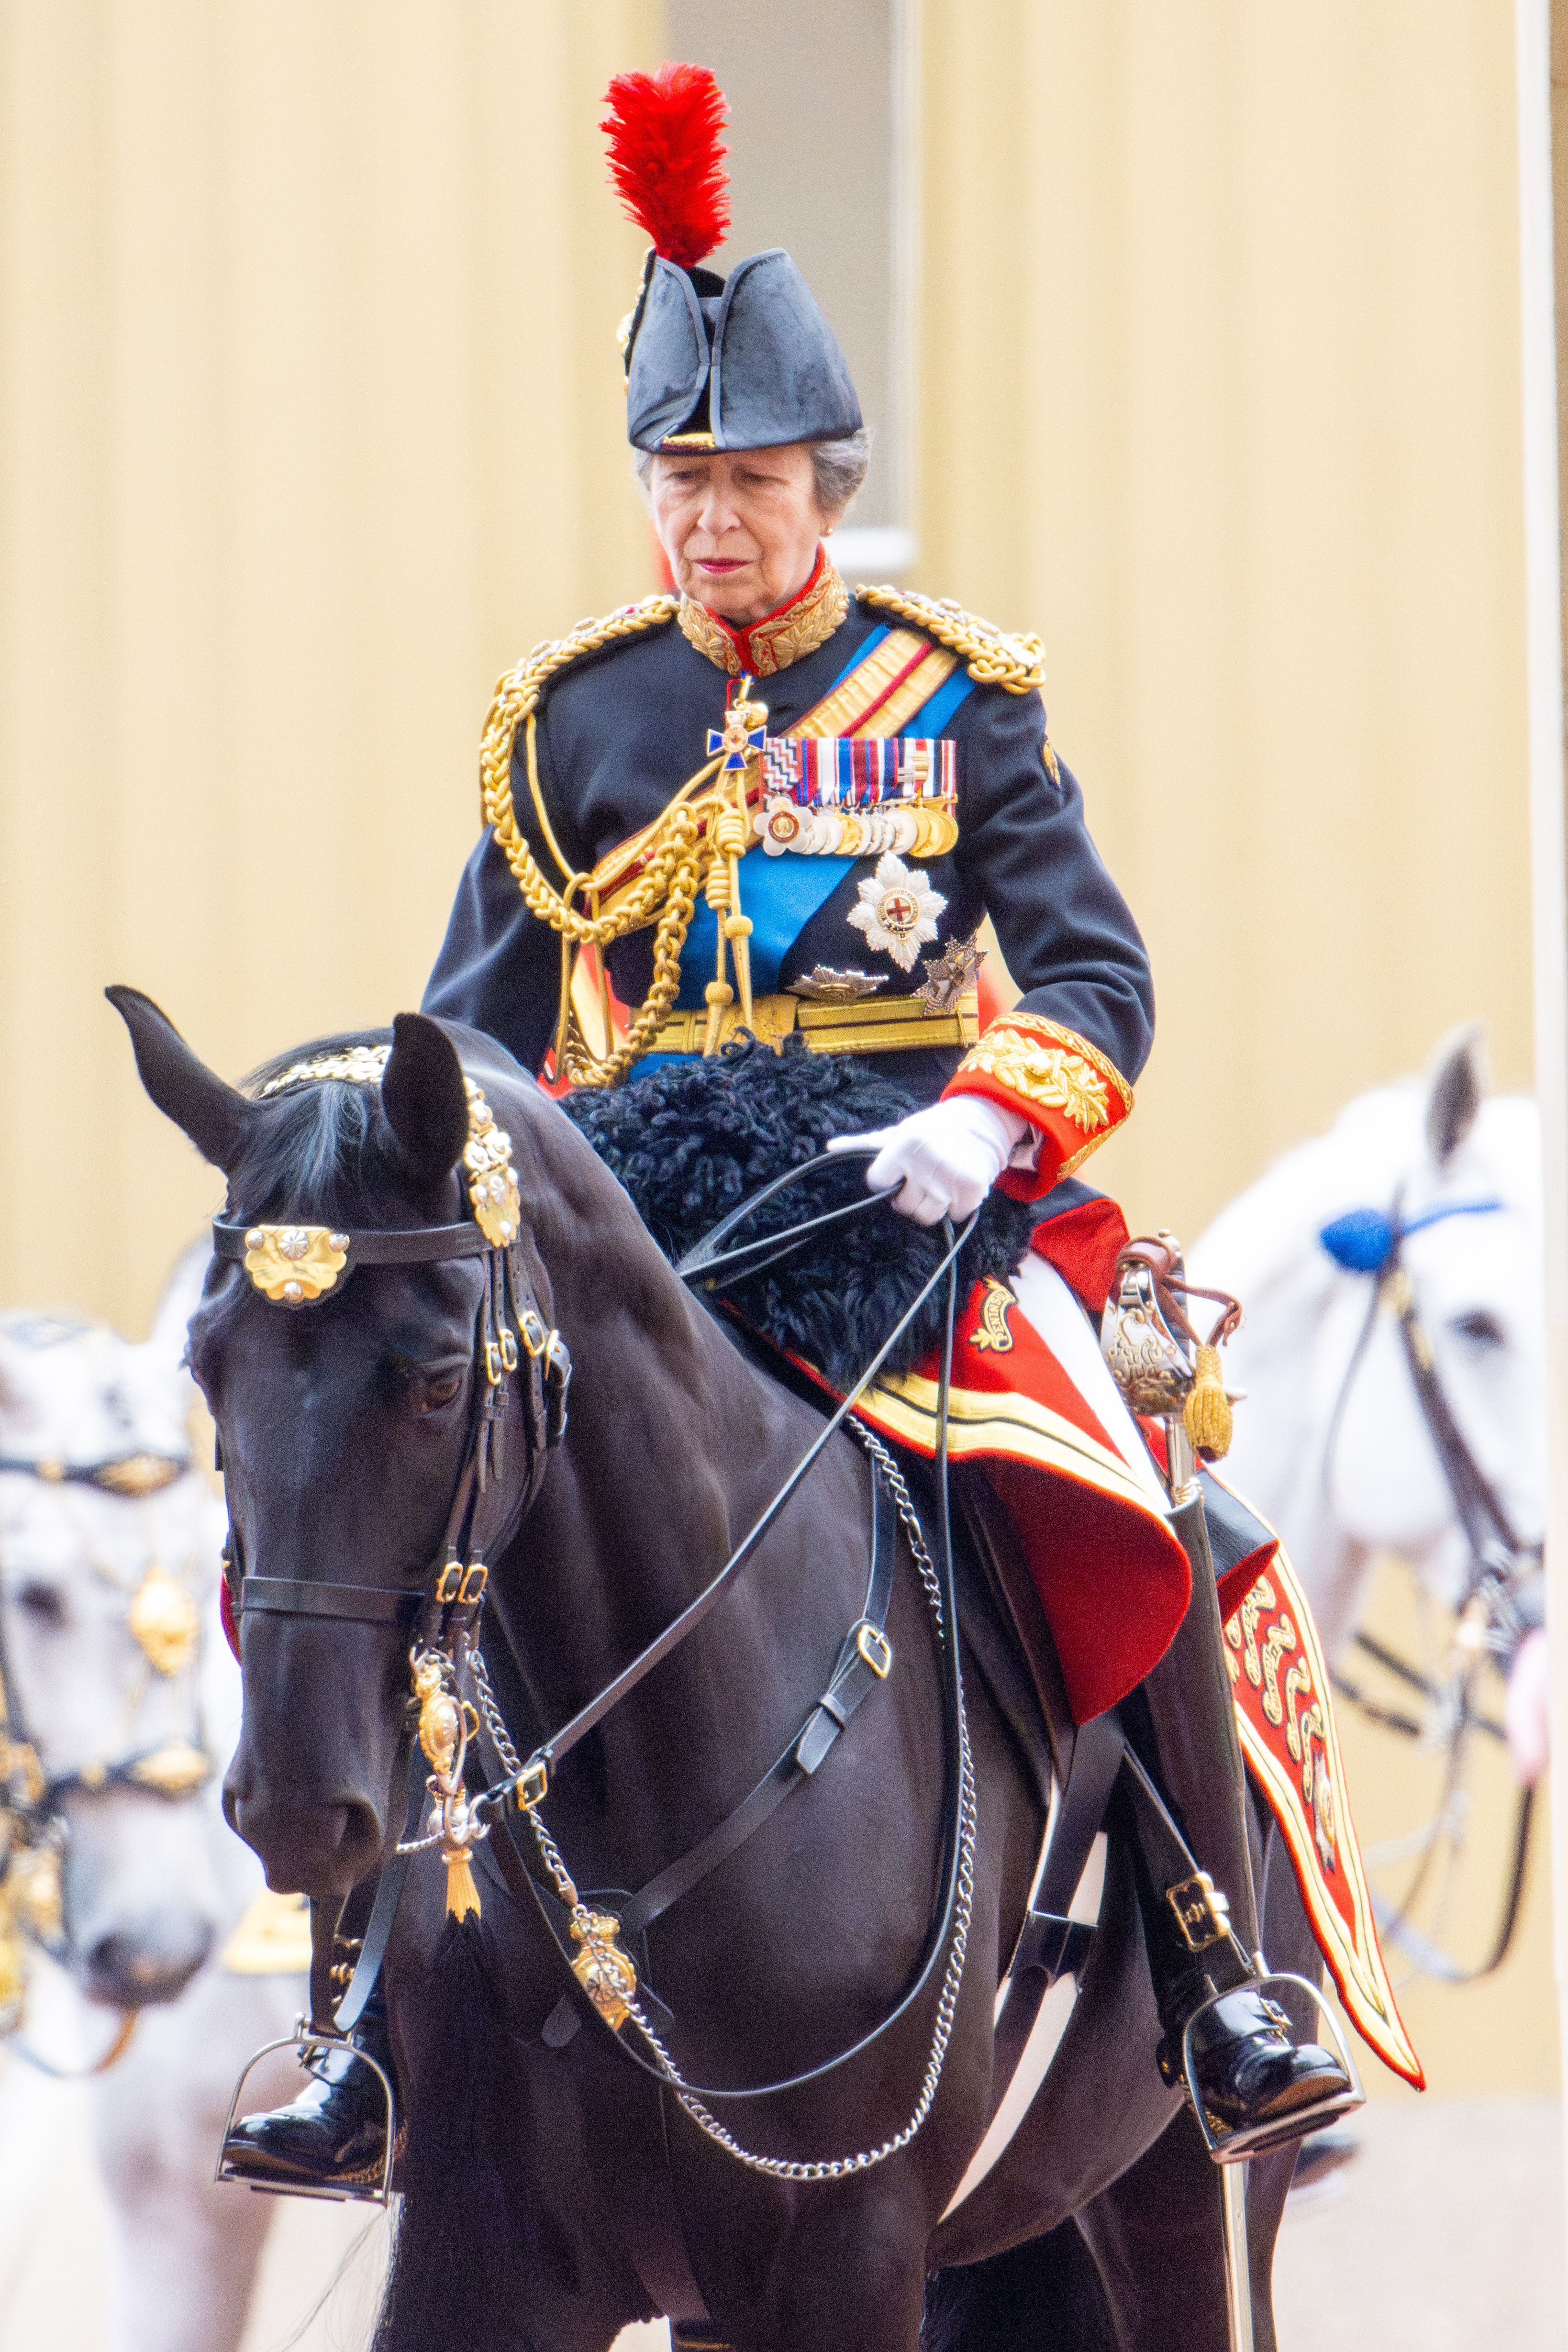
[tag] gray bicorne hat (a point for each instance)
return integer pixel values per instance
(744, 362)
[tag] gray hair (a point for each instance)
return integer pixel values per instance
(839, 469)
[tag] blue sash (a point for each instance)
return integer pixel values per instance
(782, 894)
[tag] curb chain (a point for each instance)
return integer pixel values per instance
(837, 2167)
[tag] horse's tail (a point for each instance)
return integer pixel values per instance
(463, 2244)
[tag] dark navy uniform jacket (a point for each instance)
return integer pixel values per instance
(619, 732)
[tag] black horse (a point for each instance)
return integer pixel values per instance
(543, 2184)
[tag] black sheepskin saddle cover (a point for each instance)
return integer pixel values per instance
(692, 1140)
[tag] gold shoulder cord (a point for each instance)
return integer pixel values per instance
(673, 874)
(667, 885)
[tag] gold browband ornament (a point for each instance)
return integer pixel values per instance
(294, 1265)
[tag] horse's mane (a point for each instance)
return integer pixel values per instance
(692, 1139)
(689, 1142)
(320, 1150)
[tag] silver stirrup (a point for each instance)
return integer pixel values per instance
(346, 2192)
(1229, 2146)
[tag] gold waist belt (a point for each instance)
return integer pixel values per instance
(894, 1025)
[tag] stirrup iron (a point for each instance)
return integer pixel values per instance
(305, 2044)
(1234, 2145)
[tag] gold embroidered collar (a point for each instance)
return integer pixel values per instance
(786, 635)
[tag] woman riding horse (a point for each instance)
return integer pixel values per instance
(861, 779)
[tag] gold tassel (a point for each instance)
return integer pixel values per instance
(731, 837)
(719, 993)
(1207, 1412)
(462, 1895)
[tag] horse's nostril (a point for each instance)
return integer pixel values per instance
(133, 1967)
(321, 1850)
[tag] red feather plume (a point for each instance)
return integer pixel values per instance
(667, 161)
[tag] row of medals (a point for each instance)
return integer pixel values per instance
(925, 828)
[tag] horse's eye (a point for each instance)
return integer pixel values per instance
(1481, 1329)
(441, 1392)
(42, 1602)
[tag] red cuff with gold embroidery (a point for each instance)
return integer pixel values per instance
(1054, 1078)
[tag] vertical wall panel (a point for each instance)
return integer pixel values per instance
(311, 421)
(55, 655)
(1221, 393)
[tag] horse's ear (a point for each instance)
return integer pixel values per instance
(1457, 1086)
(215, 1114)
(424, 1098)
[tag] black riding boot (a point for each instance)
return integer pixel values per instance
(1259, 2080)
(333, 2135)
(332, 2138)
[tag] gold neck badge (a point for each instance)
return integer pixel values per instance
(779, 639)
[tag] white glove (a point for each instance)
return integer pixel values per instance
(945, 1160)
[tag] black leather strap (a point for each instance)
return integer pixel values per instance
(1050, 1944)
(706, 1260)
(412, 1245)
(325, 1912)
(560, 1743)
(366, 1604)
(383, 1910)
(854, 1677)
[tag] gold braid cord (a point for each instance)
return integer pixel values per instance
(995, 657)
(669, 883)
(677, 861)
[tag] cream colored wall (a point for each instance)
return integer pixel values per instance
(1221, 395)
(310, 421)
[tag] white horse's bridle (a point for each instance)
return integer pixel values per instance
(1369, 1242)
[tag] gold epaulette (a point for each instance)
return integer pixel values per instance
(518, 692)
(995, 657)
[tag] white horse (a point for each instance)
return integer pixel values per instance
(119, 1676)
(1330, 1442)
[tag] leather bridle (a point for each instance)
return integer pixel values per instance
(26, 1787)
(1499, 1558)
(1369, 1244)
(521, 1373)
(517, 1416)
(31, 1797)
(494, 1489)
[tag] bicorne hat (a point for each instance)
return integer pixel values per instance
(745, 363)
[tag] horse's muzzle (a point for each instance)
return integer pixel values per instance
(319, 1850)
(139, 1962)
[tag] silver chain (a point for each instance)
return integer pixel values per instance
(907, 1513)
(778, 2168)
(494, 1722)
